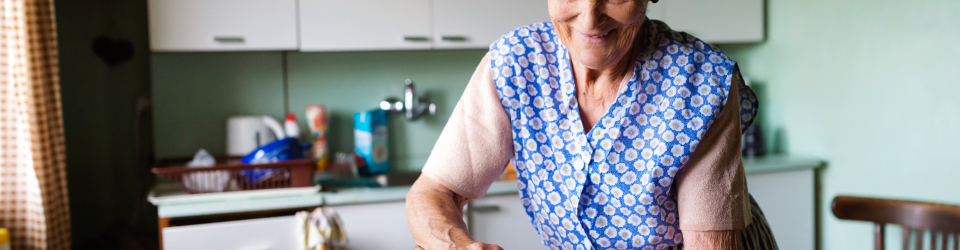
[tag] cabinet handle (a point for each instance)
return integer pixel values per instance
(486, 209)
(454, 38)
(416, 38)
(228, 39)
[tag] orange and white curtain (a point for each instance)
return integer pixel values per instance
(33, 181)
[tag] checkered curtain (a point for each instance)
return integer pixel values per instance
(33, 179)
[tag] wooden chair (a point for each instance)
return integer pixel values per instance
(916, 217)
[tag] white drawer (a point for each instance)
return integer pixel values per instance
(222, 25)
(276, 233)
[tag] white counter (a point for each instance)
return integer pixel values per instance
(173, 203)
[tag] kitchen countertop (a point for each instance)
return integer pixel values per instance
(172, 202)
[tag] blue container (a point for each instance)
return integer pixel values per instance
(370, 141)
(279, 150)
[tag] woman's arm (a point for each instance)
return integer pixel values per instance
(475, 145)
(435, 217)
(712, 190)
(712, 240)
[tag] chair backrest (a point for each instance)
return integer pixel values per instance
(942, 220)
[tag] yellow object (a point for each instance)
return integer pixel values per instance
(509, 173)
(4, 236)
(321, 163)
(317, 122)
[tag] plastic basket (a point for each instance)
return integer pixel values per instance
(230, 175)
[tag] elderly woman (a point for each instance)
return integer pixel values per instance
(623, 133)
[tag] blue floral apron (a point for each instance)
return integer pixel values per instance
(608, 188)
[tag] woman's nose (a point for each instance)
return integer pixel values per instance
(591, 13)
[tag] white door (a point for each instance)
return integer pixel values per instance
(376, 226)
(222, 25)
(787, 201)
(265, 233)
(501, 220)
(716, 21)
(338, 25)
(477, 24)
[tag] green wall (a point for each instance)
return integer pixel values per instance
(871, 87)
(195, 93)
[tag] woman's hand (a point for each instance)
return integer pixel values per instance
(435, 217)
(475, 246)
(482, 246)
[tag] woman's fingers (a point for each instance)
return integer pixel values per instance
(483, 246)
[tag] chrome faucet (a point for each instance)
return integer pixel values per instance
(411, 106)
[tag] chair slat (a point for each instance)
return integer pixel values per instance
(943, 240)
(933, 240)
(878, 231)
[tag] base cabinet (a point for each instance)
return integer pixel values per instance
(788, 202)
(376, 226)
(502, 220)
(255, 234)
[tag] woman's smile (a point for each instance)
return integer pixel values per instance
(595, 37)
(600, 34)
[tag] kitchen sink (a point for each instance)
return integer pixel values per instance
(394, 179)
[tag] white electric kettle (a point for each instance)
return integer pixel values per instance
(247, 133)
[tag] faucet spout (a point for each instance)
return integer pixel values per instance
(410, 102)
(411, 107)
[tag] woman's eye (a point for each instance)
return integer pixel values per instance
(620, 1)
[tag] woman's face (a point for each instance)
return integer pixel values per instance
(598, 33)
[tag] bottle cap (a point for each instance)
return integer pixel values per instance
(4, 236)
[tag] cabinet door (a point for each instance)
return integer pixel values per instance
(501, 220)
(332, 25)
(717, 21)
(787, 200)
(222, 25)
(265, 233)
(376, 226)
(477, 24)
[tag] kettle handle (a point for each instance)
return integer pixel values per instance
(275, 126)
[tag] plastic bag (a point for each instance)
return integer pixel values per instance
(205, 181)
(321, 226)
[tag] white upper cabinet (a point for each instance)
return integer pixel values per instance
(353, 25)
(716, 21)
(332, 25)
(217, 25)
(477, 24)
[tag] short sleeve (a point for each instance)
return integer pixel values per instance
(477, 141)
(711, 186)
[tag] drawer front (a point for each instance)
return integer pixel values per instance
(376, 226)
(276, 233)
(354, 25)
(468, 23)
(222, 25)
